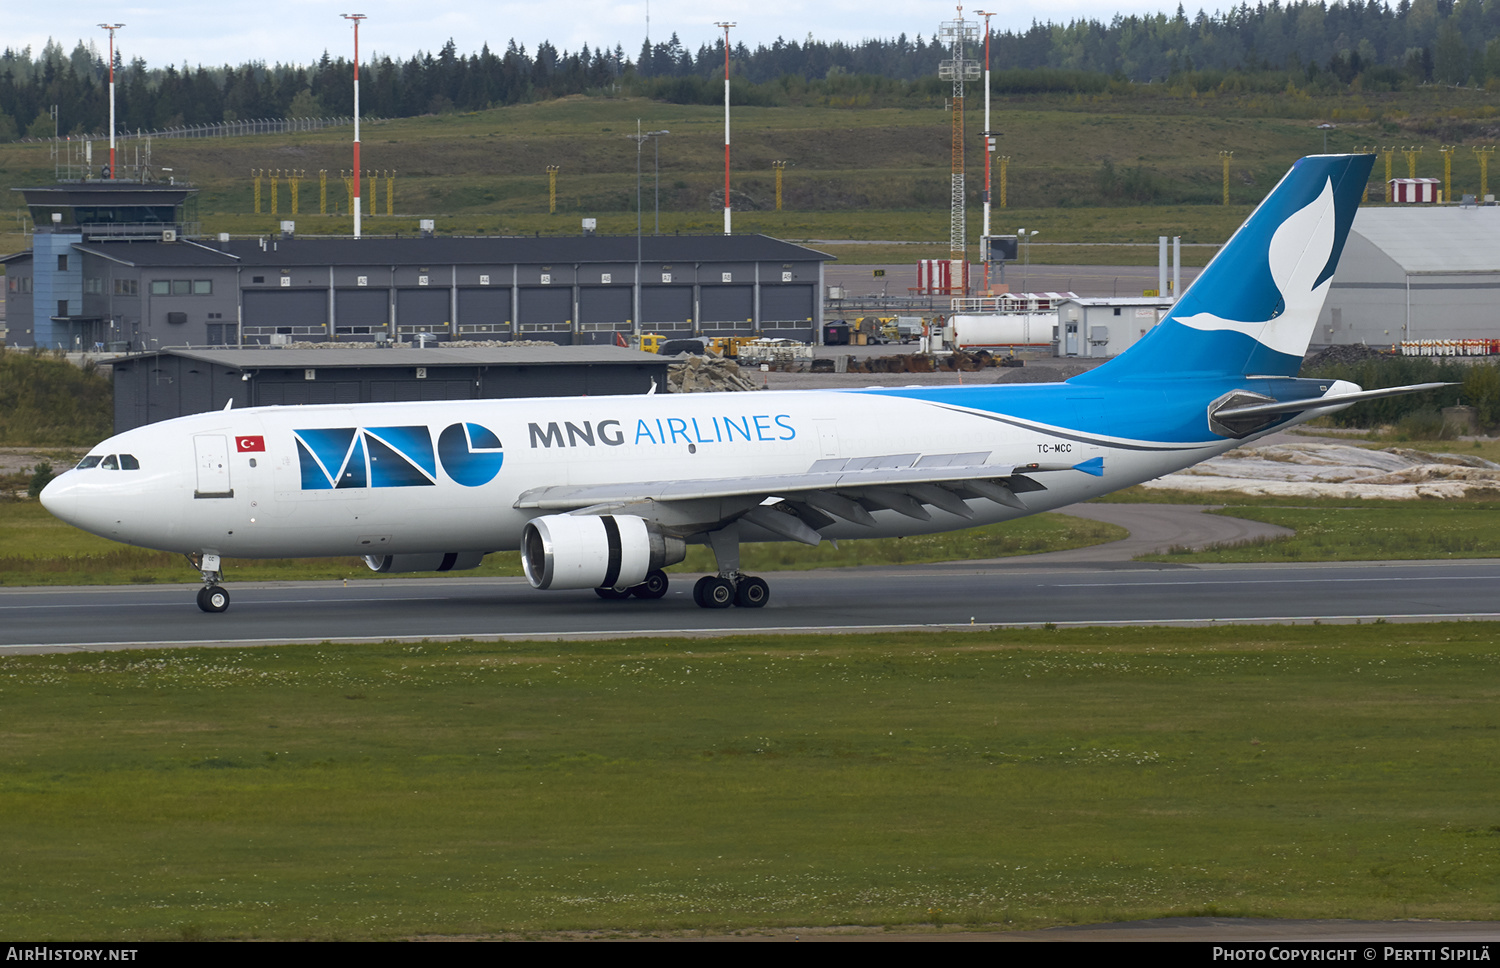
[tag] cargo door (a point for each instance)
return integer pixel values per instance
(212, 454)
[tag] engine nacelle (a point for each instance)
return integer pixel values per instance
(594, 551)
(438, 561)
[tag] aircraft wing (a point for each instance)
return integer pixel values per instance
(847, 489)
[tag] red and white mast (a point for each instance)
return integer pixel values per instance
(989, 151)
(358, 199)
(111, 28)
(726, 27)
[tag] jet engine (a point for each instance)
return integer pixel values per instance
(595, 551)
(439, 561)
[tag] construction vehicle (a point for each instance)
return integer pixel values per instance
(727, 346)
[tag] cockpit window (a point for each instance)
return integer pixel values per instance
(91, 460)
(111, 463)
(129, 463)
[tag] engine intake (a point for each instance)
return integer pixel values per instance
(594, 551)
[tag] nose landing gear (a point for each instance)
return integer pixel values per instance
(211, 597)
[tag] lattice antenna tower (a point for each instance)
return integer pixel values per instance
(955, 35)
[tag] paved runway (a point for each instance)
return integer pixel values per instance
(1016, 591)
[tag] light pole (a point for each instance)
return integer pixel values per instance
(1025, 237)
(989, 152)
(655, 137)
(1326, 127)
(358, 201)
(111, 28)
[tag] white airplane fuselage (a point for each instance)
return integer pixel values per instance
(254, 504)
(606, 492)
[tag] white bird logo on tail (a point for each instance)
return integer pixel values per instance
(1299, 251)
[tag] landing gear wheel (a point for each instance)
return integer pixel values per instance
(713, 592)
(212, 598)
(752, 592)
(612, 594)
(655, 585)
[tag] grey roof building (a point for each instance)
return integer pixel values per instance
(1413, 273)
(170, 383)
(104, 272)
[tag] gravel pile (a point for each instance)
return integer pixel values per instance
(707, 374)
(1341, 356)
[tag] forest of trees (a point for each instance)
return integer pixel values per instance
(1350, 45)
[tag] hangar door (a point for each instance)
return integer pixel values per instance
(422, 311)
(726, 308)
(484, 310)
(361, 311)
(787, 311)
(603, 312)
(667, 307)
(547, 313)
(300, 312)
(274, 393)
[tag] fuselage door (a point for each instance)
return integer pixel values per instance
(212, 454)
(828, 437)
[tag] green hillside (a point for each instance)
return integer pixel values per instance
(1083, 169)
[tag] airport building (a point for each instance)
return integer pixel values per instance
(1415, 273)
(171, 383)
(1106, 325)
(117, 266)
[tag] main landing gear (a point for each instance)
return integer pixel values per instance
(746, 591)
(729, 587)
(211, 597)
(655, 586)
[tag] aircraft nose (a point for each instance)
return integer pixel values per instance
(61, 498)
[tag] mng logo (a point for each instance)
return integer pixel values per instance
(348, 457)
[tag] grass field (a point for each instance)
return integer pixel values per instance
(1368, 531)
(38, 549)
(987, 780)
(1082, 169)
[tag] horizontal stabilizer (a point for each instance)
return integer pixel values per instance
(1315, 403)
(1094, 466)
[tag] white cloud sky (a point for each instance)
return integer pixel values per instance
(176, 32)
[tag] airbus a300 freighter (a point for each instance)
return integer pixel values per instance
(606, 492)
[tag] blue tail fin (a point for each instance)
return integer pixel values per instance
(1252, 311)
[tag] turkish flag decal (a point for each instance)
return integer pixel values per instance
(246, 444)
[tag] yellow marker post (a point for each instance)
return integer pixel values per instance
(1483, 153)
